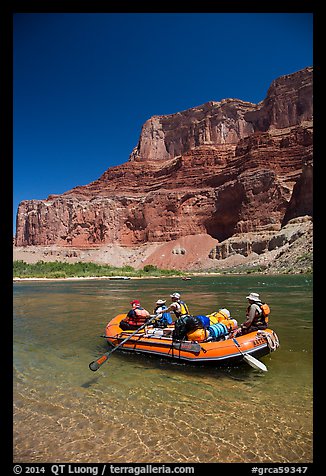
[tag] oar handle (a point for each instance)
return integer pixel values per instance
(96, 364)
(236, 342)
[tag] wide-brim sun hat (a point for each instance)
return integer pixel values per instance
(253, 297)
(160, 301)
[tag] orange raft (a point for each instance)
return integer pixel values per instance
(157, 341)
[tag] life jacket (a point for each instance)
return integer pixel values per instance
(184, 311)
(261, 316)
(166, 317)
(218, 316)
(266, 311)
(139, 318)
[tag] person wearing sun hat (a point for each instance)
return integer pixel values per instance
(254, 315)
(163, 317)
(178, 306)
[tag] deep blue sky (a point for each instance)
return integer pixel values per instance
(84, 84)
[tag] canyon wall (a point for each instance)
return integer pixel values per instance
(221, 169)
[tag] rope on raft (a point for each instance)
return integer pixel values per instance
(272, 340)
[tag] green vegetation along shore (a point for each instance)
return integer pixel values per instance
(63, 270)
(59, 269)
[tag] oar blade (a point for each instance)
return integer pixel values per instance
(96, 364)
(256, 364)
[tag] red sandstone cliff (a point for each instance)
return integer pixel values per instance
(221, 168)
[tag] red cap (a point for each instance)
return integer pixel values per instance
(135, 301)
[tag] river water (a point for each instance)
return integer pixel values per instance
(138, 409)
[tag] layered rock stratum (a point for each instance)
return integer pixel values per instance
(214, 174)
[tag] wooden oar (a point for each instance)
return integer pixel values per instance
(96, 364)
(256, 364)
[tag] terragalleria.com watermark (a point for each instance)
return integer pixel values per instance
(105, 469)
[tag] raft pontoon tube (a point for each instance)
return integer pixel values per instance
(157, 341)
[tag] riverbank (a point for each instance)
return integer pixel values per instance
(288, 251)
(86, 278)
(133, 278)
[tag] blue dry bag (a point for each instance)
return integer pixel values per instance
(217, 330)
(205, 321)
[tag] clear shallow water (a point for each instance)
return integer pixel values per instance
(145, 409)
